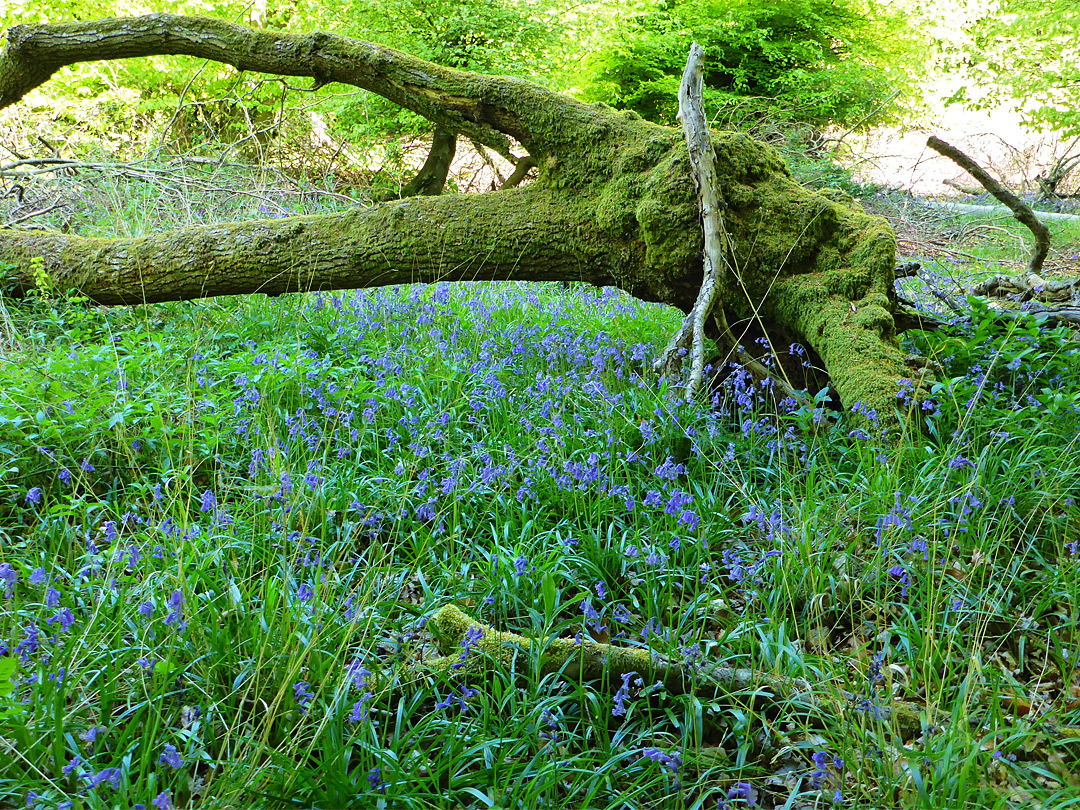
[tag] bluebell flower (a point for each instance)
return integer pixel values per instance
(552, 724)
(72, 765)
(30, 643)
(303, 695)
(742, 792)
(65, 618)
(8, 576)
(821, 762)
(109, 776)
(375, 779)
(171, 757)
(898, 572)
(37, 576)
(622, 695)
(592, 618)
(163, 801)
(471, 639)
(960, 463)
(91, 734)
(672, 762)
(176, 602)
(209, 501)
(305, 592)
(33, 495)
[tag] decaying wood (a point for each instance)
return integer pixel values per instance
(1020, 209)
(719, 268)
(582, 659)
(614, 203)
(1031, 286)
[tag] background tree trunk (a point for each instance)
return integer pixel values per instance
(614, 203)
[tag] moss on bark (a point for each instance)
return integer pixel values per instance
(614, 203)
(586, 660)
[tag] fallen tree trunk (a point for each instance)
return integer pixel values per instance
(614, 204)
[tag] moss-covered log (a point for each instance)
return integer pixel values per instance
(614, 203)
(586, 660)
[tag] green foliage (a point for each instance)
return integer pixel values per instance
(1027, 50)
(823, 61)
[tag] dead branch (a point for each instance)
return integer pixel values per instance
(524, 166)
(718, 267)
(1020, 210)
(583, 659)
(961, 188)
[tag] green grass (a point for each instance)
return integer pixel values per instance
(240, 502)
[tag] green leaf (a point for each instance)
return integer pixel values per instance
(551, 595)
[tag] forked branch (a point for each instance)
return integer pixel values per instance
(718, 269)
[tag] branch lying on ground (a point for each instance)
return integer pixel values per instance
(974, 192)
(13, 222)
(1031, 286)
(1020, 290)
(588, 660)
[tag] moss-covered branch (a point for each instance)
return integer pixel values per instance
(614, 203)
(587, 660)
(421, 239)
(458, 101)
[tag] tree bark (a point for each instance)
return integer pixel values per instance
(431, 178)
(614, 203)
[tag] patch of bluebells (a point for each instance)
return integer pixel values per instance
(468, 642)
(567, 452)
(828, 774)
